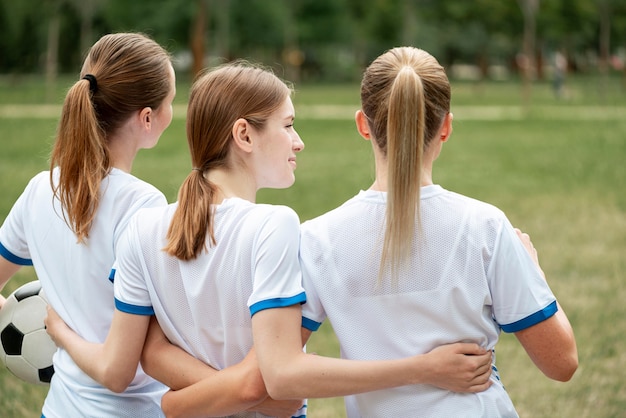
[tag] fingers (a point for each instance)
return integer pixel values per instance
(472, 349)
(480, 387)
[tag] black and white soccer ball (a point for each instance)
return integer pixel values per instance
(26, 349)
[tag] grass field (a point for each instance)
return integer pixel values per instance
(557, 169)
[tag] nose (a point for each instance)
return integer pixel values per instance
(298, 145)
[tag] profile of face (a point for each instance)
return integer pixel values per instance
(162, 116)
(275, 149)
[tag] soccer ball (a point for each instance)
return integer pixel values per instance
(26, 349)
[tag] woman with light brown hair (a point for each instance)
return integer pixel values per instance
(221, 272)
(406, 265)
(68, 221)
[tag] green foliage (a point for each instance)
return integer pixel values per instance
(337, 37)
(557, 170)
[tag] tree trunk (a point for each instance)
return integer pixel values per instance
(52, 52)
(198, 32)
(527, 61)
(604, 10)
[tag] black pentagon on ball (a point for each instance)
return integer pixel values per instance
(27, 291)
(45, 375)
(12, 340)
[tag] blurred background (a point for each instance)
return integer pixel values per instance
(328, 40)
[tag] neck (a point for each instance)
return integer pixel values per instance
(380, 183)
(122, 153)
(232, 183)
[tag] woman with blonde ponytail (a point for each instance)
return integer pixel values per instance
(406, 265)
(69, 220)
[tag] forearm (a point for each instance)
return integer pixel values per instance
(104, 370)
(311, 376)
(169, 363)
(174, 367)
(114, 363)
(226, 392)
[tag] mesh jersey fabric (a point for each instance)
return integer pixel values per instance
(468, 277)
(205, 305)
(75, 279)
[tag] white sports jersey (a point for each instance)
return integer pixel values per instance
(75, 278)
(469, 276)
(205, 305)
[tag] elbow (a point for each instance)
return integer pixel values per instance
(281, 386)
(168, 405)
(565, 369)
(115, 382)
(253, 394)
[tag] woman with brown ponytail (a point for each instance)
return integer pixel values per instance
(406, 265)
(68, 221)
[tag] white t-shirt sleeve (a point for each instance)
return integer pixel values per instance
(136, 196)
(13, 245)
(521, 297)
(130, 289)
(277, 281)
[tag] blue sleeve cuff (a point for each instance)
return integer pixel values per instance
(133, 309)
(277, 303)
(310, 324)
(13, 258)
(531, 320)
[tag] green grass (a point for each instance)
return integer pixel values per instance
(557, 170)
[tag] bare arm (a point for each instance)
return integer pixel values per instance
(289, 373)
(550, 344)
(169, 363)
(458, 367)
(226, 392)
(7, 270)
(114, 363)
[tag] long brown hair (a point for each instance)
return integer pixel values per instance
(217, 100)
(405, 95)
(128, 72)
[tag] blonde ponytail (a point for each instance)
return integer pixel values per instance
(405, 144)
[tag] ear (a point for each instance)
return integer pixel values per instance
(146, 116)
(446, 127)
(362, 126)
(241, 133)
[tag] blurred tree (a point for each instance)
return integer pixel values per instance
(52, 49)
(87, 10)
(318, 39)
(527, 58)
(197, 37)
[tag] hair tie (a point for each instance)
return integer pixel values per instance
(196, 169)
(93, 84)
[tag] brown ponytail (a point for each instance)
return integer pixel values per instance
(217, 100)
(122, 73)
